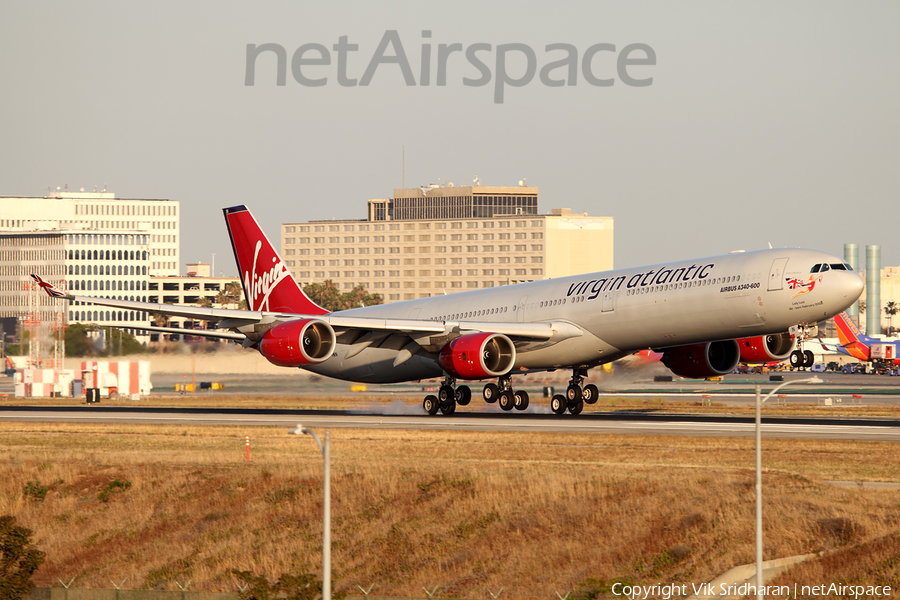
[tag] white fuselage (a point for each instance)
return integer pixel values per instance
(619, 312)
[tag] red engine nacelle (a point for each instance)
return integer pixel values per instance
(298, 343)
(766, 348)
(478, 355)
(708, 359)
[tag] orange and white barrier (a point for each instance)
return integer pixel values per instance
(43, 383)
(117, 378)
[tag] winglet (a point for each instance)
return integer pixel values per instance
(48, 287)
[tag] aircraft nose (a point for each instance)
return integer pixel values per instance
(853, 287)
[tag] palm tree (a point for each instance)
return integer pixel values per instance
(891, 309)
(161, 320)
(222, 298)
(233, 292)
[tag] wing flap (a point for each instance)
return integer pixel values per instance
(236, 318)
(209, 333)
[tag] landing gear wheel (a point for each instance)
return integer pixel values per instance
(449, 408)
(491, 391)
(445, 394)
(797, 359)
(506, 400)
(558, 404)
(573, 394)
(463, 395)
(520, 399)
(590, 393)
(809, 359)
(577, 407)
(430, 404)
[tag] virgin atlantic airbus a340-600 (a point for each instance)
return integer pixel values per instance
(704, 315)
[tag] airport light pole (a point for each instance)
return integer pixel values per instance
(759, 531)
(326, 507)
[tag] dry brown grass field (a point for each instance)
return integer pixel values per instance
(469, 512)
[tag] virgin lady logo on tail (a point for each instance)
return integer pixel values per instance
(264, 283)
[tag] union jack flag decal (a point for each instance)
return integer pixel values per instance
(805, 286)
(48, 287)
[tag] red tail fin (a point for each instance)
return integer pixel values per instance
(268, 284)
(851, 338)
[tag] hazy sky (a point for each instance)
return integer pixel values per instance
(765, 121)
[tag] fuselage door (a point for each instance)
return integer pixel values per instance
(608, 302)
(520, 311)
(776, 274)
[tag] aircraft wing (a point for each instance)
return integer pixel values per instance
(251, 325)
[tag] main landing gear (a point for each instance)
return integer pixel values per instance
(503, 393)
(507, 398)
(576, 395)
(447, 398)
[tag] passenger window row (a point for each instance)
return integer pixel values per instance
(472, 313)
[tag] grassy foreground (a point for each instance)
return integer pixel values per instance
(532, 513)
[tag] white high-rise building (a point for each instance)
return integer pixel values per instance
(89, 243)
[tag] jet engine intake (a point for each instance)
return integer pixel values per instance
(298, 343)
(707, 359)
(478, 356)
(767, 348)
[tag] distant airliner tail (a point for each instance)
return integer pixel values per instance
(268, 284)
(852, 340)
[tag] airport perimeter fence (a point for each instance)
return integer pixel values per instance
(59, 593)
(68, 590)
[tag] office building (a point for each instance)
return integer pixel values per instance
(88, 243)
(435, 240)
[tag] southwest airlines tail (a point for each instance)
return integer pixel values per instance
(268, 284)
(852, 340)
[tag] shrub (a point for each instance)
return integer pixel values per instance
(35, 491)
(113, 487)
(19, 559)
(840, 530)
(288, 587)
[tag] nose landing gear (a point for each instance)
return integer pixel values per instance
(800, 357)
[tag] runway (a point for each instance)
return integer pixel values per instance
(594, 423)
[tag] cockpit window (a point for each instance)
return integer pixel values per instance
(815, 269)
(824, 268)
(838, 267)
(848, 267)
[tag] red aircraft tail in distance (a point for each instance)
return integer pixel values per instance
(852, 340)
(268, 284)
(863, 347)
